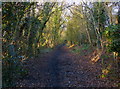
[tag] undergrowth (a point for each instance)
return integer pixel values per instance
(12, 70)
(109, 66)
(82, 50)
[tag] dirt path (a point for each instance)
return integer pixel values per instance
(61, 68)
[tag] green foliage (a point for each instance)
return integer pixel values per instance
(100, 18)
(12, 70)
(12, 20)
(53, 30)
(76, 27)
(99, 13)
(81, 49)
(24, 27)
(37, 32)
(113, 36)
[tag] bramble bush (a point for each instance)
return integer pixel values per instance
(112, 33)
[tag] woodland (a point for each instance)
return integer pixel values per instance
(52, 37)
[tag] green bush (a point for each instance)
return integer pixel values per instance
(12, 70)
(113, 36)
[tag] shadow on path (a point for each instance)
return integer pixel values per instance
(53, 67)
(61, 68)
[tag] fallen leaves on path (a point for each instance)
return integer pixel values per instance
(62, 68)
